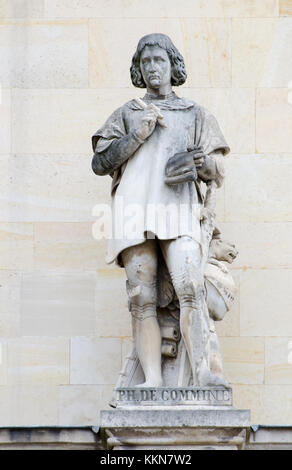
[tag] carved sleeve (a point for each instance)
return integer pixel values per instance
(106, 161)
(113, 144)
(209, 137)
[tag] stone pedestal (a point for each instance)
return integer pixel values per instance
(174, 418)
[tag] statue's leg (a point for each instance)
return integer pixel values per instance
(183, 259)
(140, 262)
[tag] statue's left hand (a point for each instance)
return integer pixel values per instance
(205, 165)
(180, 168)
(198, 156)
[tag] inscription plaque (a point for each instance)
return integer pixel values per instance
(208, 396)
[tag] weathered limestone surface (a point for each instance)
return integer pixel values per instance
(268, 403)
(260, 54)
(50, 366)
(204, 44)
(54, 304)
(165, 8)
(79, 404)
(39, 117)
(54, 284)
(278, 353)
(235, 109)
(285, 8)
(174, 429)
(243, 359)
(109, 321)
(273, 102)
(261, 198)
(21, 8)
(257, 293)
(86, 356)
(10, 305)
(55, 197)
(5, 120)
(83, 438)
(175, 397)
(23, 63)
(255, 239)
(50, 438)
(270, 438)
(29, 405)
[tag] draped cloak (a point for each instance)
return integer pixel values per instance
(139, 182)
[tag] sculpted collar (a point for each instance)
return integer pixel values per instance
(167, 102)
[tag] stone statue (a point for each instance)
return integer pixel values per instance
(164, 151)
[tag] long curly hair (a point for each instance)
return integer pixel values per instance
(178, 68)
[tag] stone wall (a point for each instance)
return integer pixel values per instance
(64, 324)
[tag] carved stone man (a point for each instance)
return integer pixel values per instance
(159, 151)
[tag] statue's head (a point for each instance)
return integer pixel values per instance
(168, 61)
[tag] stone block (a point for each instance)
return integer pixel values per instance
(10, 283)
(265, 302)
(68, 256)
(252, 189)
(5, 120)
(16, 254)
(205, 46)
(251, 396)
(112, 318)
(94, 360)
(16, 246)
(171, 428)
(67, 246)
(10, 232)
(270, 438)
(268, 403)
(60, 195)
(243, 360)
(234, 109)
(57, 304)
(272, 108)
(47, 56)
(285, 8)
(21, 8)
(49, 438)
(3, 362)
(278, 369)
(39, 361)
(260, 52)
(168, 418)
(163, 9)
(54, 232)
(260, 245)
(79, 405)
(56, 121)
(28, 405)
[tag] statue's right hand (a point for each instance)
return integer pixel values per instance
(148, 122)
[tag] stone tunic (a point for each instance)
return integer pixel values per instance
(139, 192)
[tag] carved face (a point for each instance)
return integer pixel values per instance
(155, 67)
